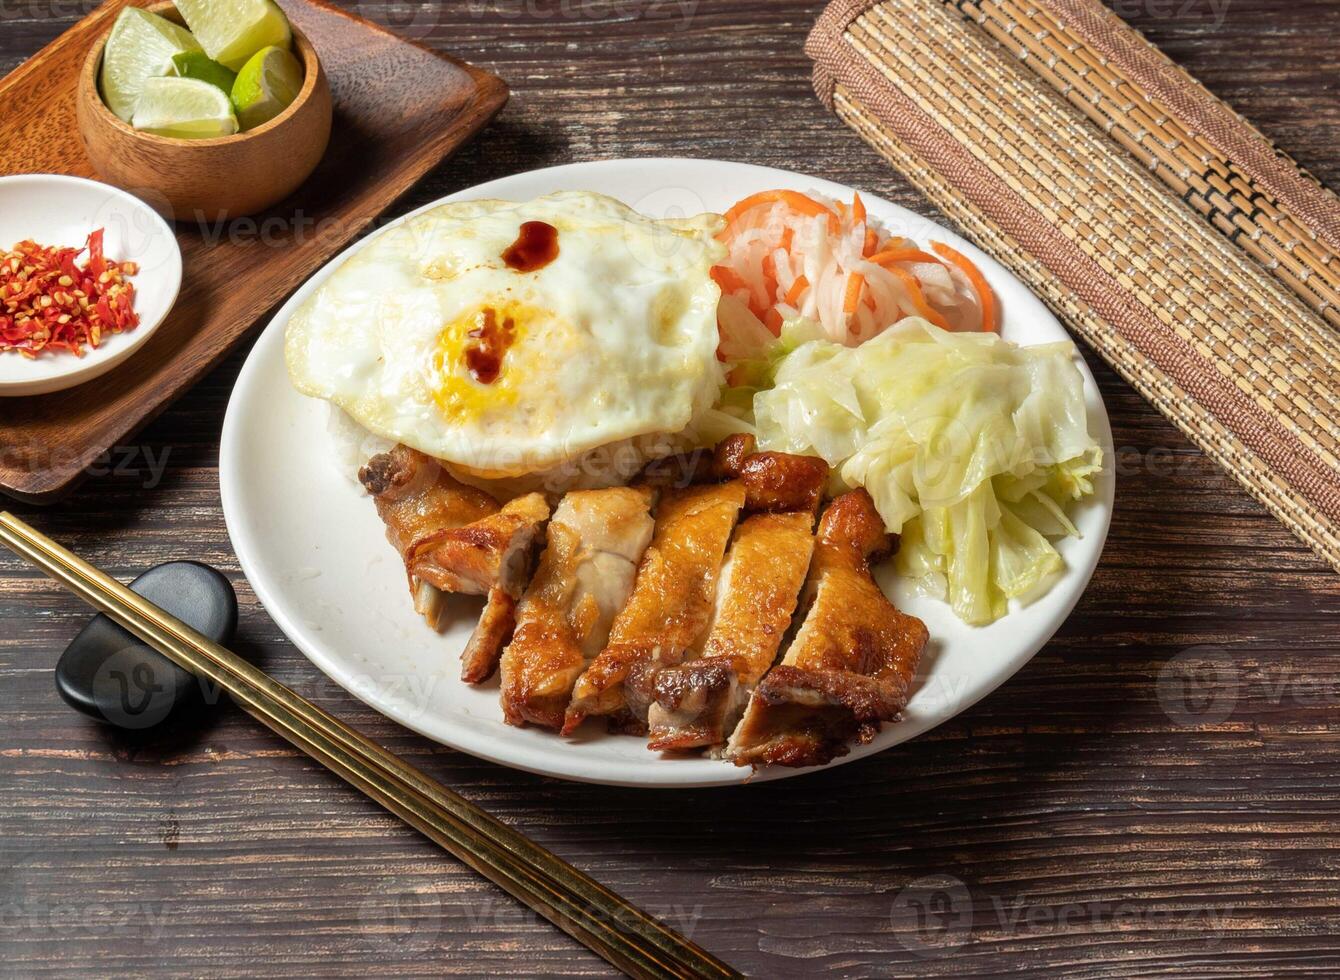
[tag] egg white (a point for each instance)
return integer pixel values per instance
(614, 339)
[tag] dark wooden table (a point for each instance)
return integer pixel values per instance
(1156, 794)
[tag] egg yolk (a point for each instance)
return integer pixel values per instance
(470, 361)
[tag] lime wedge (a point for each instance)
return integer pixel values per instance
(265, 86)
(197, 64)
(231, 31)
(186, 108)
(141, 45)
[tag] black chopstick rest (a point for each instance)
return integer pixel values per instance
(113, 676)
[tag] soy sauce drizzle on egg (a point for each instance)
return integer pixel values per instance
(535, 247)
(490, 340)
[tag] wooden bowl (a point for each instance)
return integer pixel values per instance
(209, 179)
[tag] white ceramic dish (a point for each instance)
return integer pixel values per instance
(52, 209)
(313, 547)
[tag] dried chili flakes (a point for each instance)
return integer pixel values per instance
(49, 302)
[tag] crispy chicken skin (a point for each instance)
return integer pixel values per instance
(697, 703)
(492, 552)
(493, 556)
(669, 624)
(777, 482)
(415, 498)
(455, 538)
(594, 543)
(851, 664)
(773, 481)
(670, 608)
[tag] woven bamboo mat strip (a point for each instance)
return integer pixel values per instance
(1196, 170)
(1245, 365)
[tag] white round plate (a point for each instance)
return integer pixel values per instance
(52, 209)
(311, 543)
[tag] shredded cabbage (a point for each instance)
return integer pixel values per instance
(970, 446)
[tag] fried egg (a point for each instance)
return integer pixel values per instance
(447, 334)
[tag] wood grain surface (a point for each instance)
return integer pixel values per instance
(398, 110)
(1156, 795)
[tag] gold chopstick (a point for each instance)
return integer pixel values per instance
(624, 935)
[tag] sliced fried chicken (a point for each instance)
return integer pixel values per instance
(455, 538)
(670, 607)
(416, 498)
(851, 664)
(773, 481)
(492, 552)
(491, 556)
(594, 543)
(699, 702)
(479, 659)
(777, 482)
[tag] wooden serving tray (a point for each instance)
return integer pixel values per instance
(399, 109)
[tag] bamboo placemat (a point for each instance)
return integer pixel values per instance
(1194, 257)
